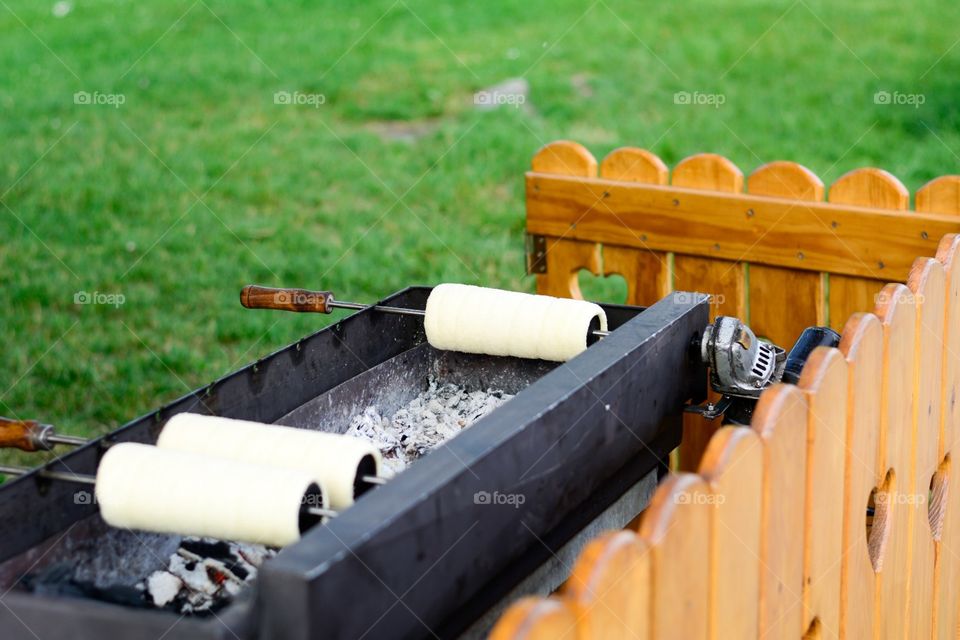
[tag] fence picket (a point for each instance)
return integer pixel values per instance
(927, 284)
(862, 346)
(897, 313)
(673, 528)
(722, 278)
(780, 419)
(535, 618)
(566, 257)
(609, 586)
(733, 468)
(824, 380)
(783, 302)
(947, 561)
(866, 187)
(647, 272)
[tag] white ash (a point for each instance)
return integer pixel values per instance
(429, 420)
(204, 574)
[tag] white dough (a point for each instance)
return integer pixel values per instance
(462, 317)
(143, 487)
(332, 459)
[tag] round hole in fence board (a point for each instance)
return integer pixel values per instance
(611, 288)
(937, 502)
(879, 515)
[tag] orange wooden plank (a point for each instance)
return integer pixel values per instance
(674, 527)
(565, 157)
(783, 302)
(781, 420)
(815, 236)
(733, 468)
(537, 619)
(862, 346)
(824, 380)
(928, 286)
(723, 279)
(947, 571)
(897, 312)
(565, 259)
(646, 271)
(866, 187)
(940, 195)
(609, 586)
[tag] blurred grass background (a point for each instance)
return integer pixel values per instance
(199, 183)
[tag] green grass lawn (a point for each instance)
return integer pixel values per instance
(199, 183)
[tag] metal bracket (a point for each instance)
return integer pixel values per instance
(536, 254)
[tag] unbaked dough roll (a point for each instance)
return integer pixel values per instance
(462, 317)
(143, 487)
(335, 461)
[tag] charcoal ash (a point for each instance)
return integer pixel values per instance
(204, 575)
(427, 421)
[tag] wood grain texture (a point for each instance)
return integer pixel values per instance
(780, 420)
(285, 299)
(732, 466)
(940, 195)
(862, 347)
(783, 302)
(724, 280)
(824, 381)
(537, 619)
(565, 260)
(634, 165)
(646, 271)
(928, 285)
(565, 157)
(947, 554)
(19, 434)
(868, 187)
(896, 310)
(609, 587)
(673, 528)
(846, 239)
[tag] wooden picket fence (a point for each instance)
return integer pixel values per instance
(837, 513)
(778, 256)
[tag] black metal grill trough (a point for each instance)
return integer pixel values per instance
(430, 552)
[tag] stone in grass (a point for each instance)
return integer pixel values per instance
(509, 93)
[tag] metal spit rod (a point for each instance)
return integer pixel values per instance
(83, 478)
(31, 436)
(304, 300)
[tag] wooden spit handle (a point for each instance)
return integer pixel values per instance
(303, 300)
(27, 435)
